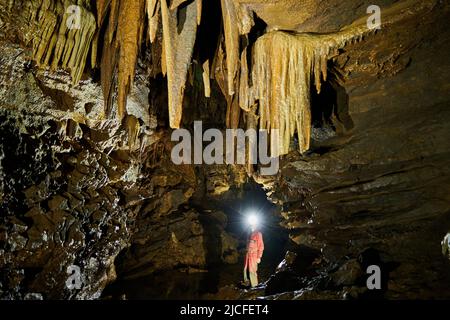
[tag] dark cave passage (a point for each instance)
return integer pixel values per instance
(187, 282)
(330, 116)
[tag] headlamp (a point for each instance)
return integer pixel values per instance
(253, 220)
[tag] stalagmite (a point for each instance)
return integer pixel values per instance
(178, 48)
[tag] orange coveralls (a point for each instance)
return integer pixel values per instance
(255, 248)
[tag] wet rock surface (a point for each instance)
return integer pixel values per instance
(383, 184)
(76, 191)
(50, 223)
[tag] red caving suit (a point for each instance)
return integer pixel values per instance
(255, 248)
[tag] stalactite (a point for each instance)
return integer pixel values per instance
(245, 98)
(176, 3)
(252, 124)
(109, 57)
(94, 50)
(129, 34)
(199, 11)
(284, 66)
(220, 74)
(112, 23)
(234, 113)
(206, 79)
(244, 18)
(178, 48)
(231, 32)
(237, 20)
(102, 6)
(133, 128)
(57, 45)
(219, 69)
(281, 74)
(153, 13)
(121, 43)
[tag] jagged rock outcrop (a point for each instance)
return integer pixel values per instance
(61, 198)
(169, 233)
(77, 189)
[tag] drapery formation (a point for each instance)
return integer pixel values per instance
(268, 80)
(54, 43)
(284, 67)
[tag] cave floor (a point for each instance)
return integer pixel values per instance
(188, 285)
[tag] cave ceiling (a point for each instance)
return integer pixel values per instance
(113, 35)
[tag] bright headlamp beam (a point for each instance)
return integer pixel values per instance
(252, 219)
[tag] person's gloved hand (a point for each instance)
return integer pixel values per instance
(258, 261)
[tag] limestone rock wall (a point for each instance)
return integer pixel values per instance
(384, 184)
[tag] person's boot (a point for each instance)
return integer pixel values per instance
(245, 283)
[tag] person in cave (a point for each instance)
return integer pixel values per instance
(254, 252)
